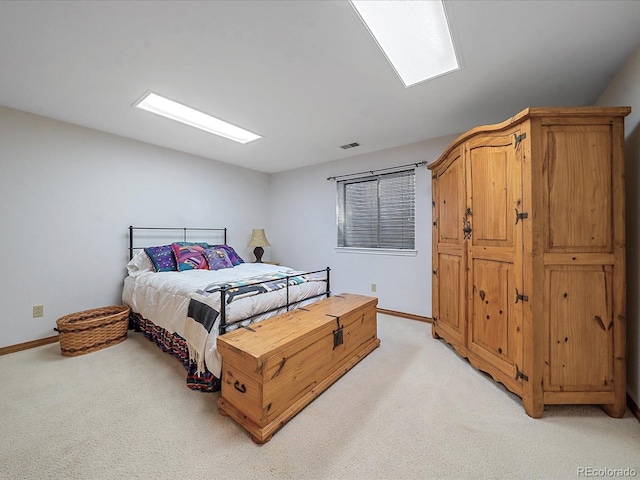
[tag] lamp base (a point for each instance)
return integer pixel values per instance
(258, 251)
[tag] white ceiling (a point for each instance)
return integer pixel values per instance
(306, 75)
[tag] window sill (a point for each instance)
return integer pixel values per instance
(378, 251)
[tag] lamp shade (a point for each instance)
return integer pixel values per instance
(258, 238)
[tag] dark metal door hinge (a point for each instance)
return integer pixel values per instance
(435, 222)
(521, 216)
(435, 272)
(521, 296)
(521, 375)
(434, 320)
(518, 138)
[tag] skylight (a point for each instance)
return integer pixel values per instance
(181, 113)
(414, 35)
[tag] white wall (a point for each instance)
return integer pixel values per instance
(67, 196)
(624, 90)
(303, 230)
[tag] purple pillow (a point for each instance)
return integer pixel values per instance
(189, 257)
(162, 258)
(217, 258)
(231, 253)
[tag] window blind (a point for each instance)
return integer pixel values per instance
(377, 211)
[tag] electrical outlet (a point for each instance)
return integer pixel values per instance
(38, 311)
(373, 287)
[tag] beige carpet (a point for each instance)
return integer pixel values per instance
(412, 409)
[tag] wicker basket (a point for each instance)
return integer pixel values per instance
(92, 330)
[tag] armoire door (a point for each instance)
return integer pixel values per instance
(579, 272)
(494, 251)
(449, 269)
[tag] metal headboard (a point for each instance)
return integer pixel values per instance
(185, 235)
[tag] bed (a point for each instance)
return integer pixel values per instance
(186, 291)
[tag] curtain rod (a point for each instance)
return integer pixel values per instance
(373, 172)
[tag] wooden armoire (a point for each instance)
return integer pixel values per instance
(529, 254)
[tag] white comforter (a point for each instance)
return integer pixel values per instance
(163, 298)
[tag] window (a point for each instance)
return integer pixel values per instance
(377, 211)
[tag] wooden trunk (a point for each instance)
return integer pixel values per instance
(274, 369)
(529, 254)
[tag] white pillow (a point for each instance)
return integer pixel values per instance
(140, 263)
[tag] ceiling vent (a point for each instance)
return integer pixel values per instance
(350, 145)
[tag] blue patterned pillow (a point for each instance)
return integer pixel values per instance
(231, 253)
(189, 257)
(217, 258)
(162, 258)
(199, 244)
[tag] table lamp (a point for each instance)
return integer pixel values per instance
(258, 240)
